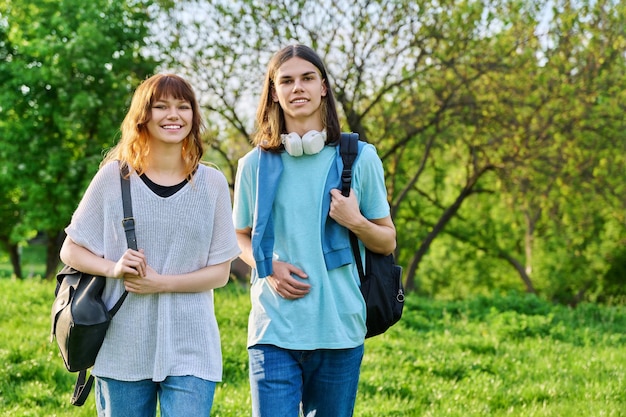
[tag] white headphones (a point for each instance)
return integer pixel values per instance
(311, 143)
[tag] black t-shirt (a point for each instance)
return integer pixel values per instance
(162, 190)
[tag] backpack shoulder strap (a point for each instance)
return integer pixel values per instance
(349, 149)
(128, 221)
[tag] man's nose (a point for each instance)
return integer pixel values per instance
(297, 85)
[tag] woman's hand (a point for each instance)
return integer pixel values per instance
(200, 280)
(131, 264)
(150, 283)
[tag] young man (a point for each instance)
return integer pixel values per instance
(307, 323)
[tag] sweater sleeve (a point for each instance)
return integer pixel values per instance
(245, 190)
(87, 227)
(224, 245)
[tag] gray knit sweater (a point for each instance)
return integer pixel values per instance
(170, 334)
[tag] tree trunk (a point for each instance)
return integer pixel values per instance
(447, 215)
(521, 270)
(16, 260)
(529, 237)
(53, 246)
(14, 255)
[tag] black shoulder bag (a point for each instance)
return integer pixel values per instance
(80, 318)
(381, 282)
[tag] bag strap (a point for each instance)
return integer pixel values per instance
(128, 222)
(349, 149)
(82, 388)
(84, 383)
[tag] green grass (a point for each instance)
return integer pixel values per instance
(508, 355)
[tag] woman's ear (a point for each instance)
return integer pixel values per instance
(324, 88)
(274, 95)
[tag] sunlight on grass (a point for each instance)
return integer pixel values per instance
(498, 356)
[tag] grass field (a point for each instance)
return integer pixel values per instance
(510, 355)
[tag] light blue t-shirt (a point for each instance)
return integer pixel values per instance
(332, 315)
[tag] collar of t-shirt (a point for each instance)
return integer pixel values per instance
(162, 190)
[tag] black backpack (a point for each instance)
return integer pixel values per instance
(381, 282)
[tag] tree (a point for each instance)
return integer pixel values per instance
(402, 71)
(558, 186)
(68, 77)
(10, 210)
(469, 104)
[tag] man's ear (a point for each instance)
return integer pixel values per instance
(274, 95)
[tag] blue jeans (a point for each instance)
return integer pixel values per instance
(323, 382)
(183, 396)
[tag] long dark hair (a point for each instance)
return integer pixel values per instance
(270, 119)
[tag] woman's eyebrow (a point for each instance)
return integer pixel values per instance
(171, 100)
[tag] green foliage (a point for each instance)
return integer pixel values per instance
(500, 123)
(495, 120)
(69, 68)
(501, 355)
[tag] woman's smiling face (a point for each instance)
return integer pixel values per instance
(170, 120)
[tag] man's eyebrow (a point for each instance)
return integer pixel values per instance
(304, 74)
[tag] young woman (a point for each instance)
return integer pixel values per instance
(307, 323)
(163, 344)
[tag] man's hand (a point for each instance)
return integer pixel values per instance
(345, 210)
(285, 284)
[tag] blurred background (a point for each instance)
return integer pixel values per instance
(500, 123)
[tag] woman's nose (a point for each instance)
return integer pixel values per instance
(173, 113)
